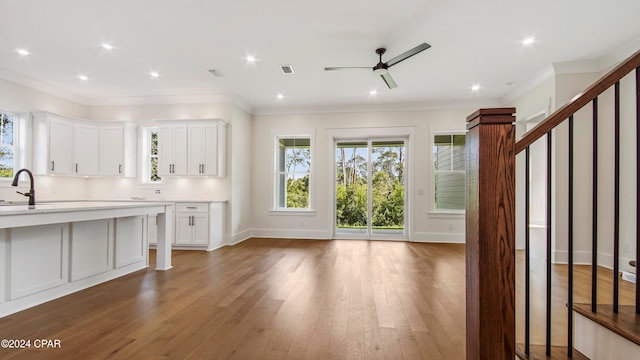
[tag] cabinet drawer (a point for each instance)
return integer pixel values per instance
(192, 207)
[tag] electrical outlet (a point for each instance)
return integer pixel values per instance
(625, 248)
(450, 227)
(158, 191)
(301, 223)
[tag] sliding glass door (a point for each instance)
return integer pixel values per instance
(370, 190)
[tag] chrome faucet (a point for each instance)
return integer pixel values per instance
(32, 193)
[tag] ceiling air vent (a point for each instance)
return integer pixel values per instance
(216, 73)
(286, 69)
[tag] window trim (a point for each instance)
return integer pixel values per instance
(443, 212)
(300, 134)
(145, 166)
(20, 143)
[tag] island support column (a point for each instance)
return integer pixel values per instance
(165, 232)
(490, 238)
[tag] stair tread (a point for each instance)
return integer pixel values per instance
(626, 323)
(538, 352)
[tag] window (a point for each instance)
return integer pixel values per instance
(150, 156)
(449, 168)
(6, 144)
(293, 172)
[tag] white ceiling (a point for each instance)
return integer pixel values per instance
(472, 42)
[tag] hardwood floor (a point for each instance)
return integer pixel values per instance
(265, 299)
(277, 299)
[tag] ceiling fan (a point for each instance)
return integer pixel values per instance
(382, 68)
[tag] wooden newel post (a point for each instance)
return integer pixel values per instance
(490, 239)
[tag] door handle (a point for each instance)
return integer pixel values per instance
(119, 168)
(193, 221)
(53, 165)
(203, 168)
(76, 167)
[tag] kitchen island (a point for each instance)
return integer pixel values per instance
(53, 249)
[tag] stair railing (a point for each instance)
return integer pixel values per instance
(491, 148)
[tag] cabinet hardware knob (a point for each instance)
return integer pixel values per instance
(76, 167)
(53, 165)
(119, 168)
(191, 207)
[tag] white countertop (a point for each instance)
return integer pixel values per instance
(63, 206)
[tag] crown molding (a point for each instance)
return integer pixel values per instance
(172, 99)
(40, 86)
(355, 108)
(618, 55)
(125, 100)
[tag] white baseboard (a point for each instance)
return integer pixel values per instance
(233, 239)
(584, 258)
(445, 238)
(292, 234)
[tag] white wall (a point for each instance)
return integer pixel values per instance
(537, 101)
(239, 172)
(425, 226)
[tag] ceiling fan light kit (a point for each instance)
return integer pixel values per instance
(382, 68)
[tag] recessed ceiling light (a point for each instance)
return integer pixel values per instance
(83, 77)
(154, 74)
(23, 52)
(373, 92)
(106, 46)
(250, 58)
(528, 41)
(475, 87)
(280, 96)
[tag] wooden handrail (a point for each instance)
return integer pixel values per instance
(579, 101)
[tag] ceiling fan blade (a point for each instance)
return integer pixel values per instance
(407, 54)
(346, 68)
(388, 80)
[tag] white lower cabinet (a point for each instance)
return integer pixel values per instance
(197, 225)
(192, 224)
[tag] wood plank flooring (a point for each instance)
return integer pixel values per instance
(265, 299)
(282, 299)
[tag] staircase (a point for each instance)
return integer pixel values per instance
(594, 330)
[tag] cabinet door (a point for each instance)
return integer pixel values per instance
(111, 150)
(86, 150)
(210, 151)
(183, 229)
(60, 147)
(180, 150)
(203, 149)
(200, 229)
(165, 150)
(196, 149)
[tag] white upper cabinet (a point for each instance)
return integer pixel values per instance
(56, 156)
(65, 146)
(85, 150)
(203, 149)
(195, 149)
(117, 150)
(172, 150)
